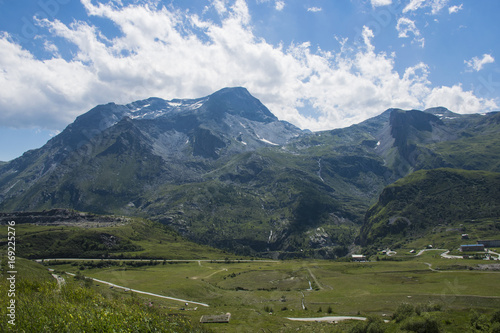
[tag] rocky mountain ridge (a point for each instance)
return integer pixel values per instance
(224, 171)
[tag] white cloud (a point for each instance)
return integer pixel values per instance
(220, 6)
(174, 54)
(314, 9)
(413, 5)
(458, 100)
(435, 5)
(279, 5)
(477, 64)
(378, 3)
(455, 9)
(405, 26)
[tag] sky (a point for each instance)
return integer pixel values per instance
(319, 64)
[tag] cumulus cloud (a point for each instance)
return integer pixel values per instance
(405, 26)
(169, 53)
(455, 9)
(478, 63)
(279, 5)
(458, 100)
(438, 5)
(378, 3)
(435, 5)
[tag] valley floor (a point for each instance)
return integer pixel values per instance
(264, 295)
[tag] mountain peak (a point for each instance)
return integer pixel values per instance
(441, 112)
(235, 101)
(238, 101)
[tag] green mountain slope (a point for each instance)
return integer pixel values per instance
(222, 170)
(61, 233)
(427, 200)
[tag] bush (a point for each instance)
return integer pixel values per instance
(495, 318)
(403, 311)
(495, 328)
(421, 325)
(478, 322)
(421, 308)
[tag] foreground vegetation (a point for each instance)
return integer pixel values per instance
(44, 306)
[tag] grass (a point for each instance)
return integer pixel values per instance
(137, 239)
(42, 306)
(261, 295)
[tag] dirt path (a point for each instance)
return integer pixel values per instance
(497, 254)
(314, 278)
(425, 250)
(60, 281)
(221, 270)
(206, 277)
(144, 292)
(449, 256)
(430, 267)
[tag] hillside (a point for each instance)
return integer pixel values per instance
(427, 201)
(41, 305)
(222, 170)
(62, 233)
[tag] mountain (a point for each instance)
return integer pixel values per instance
(126, 149)
(428, 200)
(224, 171)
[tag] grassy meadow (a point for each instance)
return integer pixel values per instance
(262, 295)
(44, 305)
(424, 293)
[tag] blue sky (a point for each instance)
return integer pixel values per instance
(319, 64)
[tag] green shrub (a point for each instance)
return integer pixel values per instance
(268, 309)
(421, 325)
(495, 318)
(495, 328)
(479, 322)
(403, 311)
(430, 307)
